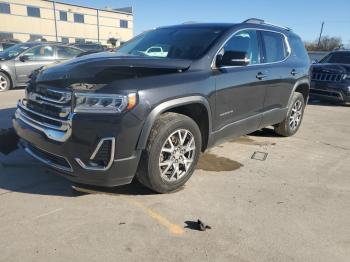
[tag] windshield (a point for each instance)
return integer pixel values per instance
(13, 51)
(178, 43)
(337, 58)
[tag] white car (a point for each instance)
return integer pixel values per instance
(156, 51)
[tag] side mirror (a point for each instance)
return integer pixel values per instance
(232, 58)
(23, 58)
(314, 61)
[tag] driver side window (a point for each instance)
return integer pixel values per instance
(244, 41)
(40, 53)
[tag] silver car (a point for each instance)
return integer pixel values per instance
(19, 61)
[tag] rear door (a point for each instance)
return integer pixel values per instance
(240, 90)
(37, 57)
(280, 75)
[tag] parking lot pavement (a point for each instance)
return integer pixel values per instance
(293, 206)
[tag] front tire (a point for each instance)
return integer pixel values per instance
(172, 153)
(292, 122)
(5, 82)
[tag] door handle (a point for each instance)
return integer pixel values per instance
(260, 76)
(294, 72)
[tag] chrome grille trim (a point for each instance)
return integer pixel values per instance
(65, 96)
(60, 136)
(23, 107)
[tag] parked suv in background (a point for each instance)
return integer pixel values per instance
(19, 61)
(331, 77)
(102, 118)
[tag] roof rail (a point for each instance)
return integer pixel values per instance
(262, 22)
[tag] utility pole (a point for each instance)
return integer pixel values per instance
(319, 39)
(54, 14)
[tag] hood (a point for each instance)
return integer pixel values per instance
(108, 67)
(331, 68)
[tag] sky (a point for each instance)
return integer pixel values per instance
(303, 16)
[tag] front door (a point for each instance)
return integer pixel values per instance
(240, 90)
(35, 58)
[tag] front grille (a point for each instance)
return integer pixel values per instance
(48, 158)
(49, 110)
(327, 77)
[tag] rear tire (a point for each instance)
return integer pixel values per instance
(292, 122)
(172, 153)
(5, 82)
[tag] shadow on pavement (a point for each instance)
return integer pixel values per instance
(317, 102)
(265, 132)
(6, 117)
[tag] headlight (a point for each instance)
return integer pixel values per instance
(346, 76)
(103, 103)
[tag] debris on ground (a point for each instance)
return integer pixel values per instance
(197, 225)
(202, 226)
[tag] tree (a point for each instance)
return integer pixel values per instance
(326, 44)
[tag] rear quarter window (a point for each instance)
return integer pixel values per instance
(275, 47)
(298, 48)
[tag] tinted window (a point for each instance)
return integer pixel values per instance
(78, 18)
(185, 43)
(63, 16)
(298, 48)
(5, 8)
(6, 36)
(40, 53)
(124, 24)
(7, 45)
(245, 41)
(80, 40)
(65, 40)
(337, 58)
(33, 11)
(13, 51)
(275, 47)
(64, 52)
(90, 47)
(35, 37)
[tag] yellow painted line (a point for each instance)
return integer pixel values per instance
(174, 229)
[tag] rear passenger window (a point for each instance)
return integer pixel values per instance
(245, 41)
(274, 46)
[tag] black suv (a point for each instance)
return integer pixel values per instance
(102, 119)
(331, 77)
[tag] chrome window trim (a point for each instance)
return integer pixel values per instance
(289, 50)
(99, 168)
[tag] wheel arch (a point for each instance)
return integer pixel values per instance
(302, 86)
(180, 105)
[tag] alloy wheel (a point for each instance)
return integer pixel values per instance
(177, 155)
(3, 83)
(296, 115)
